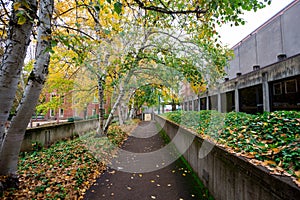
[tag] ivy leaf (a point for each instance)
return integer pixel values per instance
(118, 7)
(21, 19)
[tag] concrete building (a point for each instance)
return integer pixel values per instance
(265, 72)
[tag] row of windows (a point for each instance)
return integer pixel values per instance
(61, 113)
(284, 95)
(286, 87)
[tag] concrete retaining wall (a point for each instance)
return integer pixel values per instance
(229, 177)
(47, 135)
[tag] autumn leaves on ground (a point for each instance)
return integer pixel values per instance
(68, 168)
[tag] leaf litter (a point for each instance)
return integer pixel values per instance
(67, 169)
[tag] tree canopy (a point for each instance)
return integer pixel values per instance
(112, 40)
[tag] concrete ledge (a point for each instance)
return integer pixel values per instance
(229, 177)
(47, 135)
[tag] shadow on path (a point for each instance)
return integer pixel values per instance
(170, 182)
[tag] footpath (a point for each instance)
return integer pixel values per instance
(122, 180)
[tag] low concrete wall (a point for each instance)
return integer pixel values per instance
(227, 176)
(47, 135)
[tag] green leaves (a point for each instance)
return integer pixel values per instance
(21, 18)
(22, 8)
(118, 7)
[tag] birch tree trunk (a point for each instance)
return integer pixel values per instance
(117, 103)
(15, 134)
(101, 106)
(113, 110)
(13, 60)
(131, 113)
(121, 115)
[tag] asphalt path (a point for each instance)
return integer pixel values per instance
(128, 179)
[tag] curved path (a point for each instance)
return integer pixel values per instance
(170, 182)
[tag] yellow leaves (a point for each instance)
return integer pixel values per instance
(46, 37)
(21, 13)
(251, 155)
(268, 162)
(276, 150)
(198, 88)
(17, 5)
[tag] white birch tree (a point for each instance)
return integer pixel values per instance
(13, 137)
(18, 39)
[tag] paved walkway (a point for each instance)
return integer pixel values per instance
(130, 178)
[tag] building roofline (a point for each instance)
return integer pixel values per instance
(281, 12)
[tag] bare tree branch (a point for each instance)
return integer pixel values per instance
(75, 29)
(4, 7)
(198, 11)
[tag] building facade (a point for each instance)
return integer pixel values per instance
(265, 72)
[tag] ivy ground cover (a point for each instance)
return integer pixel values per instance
(269, 139)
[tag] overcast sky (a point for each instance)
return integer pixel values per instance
(233, 35)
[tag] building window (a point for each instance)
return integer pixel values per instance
(289, 99)
(291, 86)
(53, 95)
(52, 113)
(277, 89)
(61, 112)
(62, 99)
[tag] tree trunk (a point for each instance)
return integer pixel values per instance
(101, 107)
(113, 110)
(121, 114)
(131, 112)
(116, 104)
(15, 134)
(173, 105)
(13, 60)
